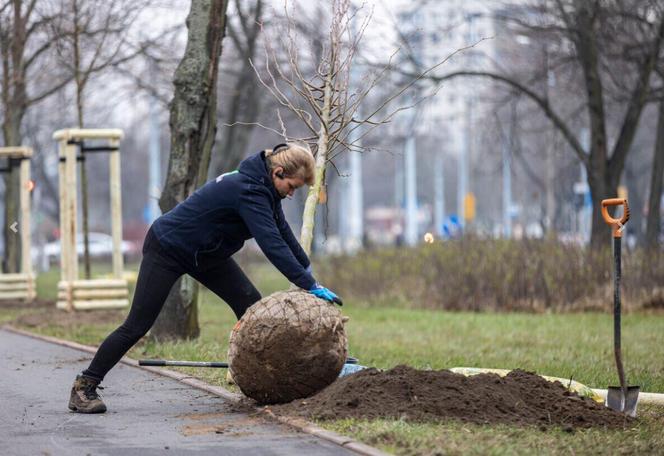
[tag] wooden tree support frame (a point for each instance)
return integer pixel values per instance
(20, 285)
(75, 293)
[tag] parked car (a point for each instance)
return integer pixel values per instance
(101, 246)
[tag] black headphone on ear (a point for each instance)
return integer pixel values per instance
(275, 150)
(278, 148)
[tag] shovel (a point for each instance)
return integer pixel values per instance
(621, 398)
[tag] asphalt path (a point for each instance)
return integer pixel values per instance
(148, 414)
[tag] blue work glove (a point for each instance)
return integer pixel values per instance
(321, 292)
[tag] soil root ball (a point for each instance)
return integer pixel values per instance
(287, 346)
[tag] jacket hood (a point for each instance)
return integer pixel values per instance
(255, 167)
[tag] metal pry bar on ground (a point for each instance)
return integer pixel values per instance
(218, 364)
(162, 363)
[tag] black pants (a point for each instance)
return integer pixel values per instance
(157, 274)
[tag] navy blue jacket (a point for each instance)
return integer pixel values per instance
(218, 217)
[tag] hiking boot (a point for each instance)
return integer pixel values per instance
(84, 397)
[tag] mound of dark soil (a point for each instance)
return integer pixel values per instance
(520, 398)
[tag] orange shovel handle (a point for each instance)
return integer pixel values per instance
(616, 224)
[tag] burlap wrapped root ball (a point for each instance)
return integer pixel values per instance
(287, 346)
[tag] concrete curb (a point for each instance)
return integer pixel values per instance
(296, 423)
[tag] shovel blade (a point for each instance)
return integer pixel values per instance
(625, 403)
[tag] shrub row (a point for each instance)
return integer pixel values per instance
(503, 275)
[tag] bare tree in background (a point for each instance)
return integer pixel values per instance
(27, 78)
(92, 36)
(327, 101)
(193, 117)
(588, 26)
(244, 100)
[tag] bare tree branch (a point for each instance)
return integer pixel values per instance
(539, 100)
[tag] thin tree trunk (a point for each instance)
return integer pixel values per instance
(309, 214)
(15, 104)
(587, 48)
(653, 223)
(11, 262)
(193, 129)
(85, 217)
(85, 206)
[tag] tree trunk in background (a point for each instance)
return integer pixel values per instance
(85, 205)
(193, 128)
(234, 140)
(15, 102)
(653, 224)
(636, 202)
(16, 29)
(25, 38)
(12, 258)
(244, 99)
(599, 181)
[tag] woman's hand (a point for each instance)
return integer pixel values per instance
(321, 292)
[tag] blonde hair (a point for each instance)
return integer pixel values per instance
(295, 158)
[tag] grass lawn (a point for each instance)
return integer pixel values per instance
(561, 345)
